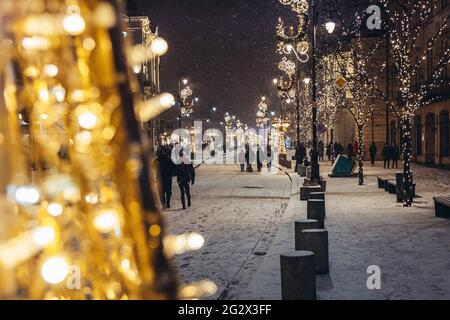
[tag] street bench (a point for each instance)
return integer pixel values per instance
(392, 186)
(442, 207)
(382, 181)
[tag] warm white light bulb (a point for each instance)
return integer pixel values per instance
(74, 24)
(43, 236)
(195, 241)
(51, 70)
(55, 209)
(27, 195)
(54, 270)
(159, 46)
(87, 120)
(106, 221)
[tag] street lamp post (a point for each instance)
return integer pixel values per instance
(330, 26)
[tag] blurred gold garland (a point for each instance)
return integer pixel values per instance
(78, 202)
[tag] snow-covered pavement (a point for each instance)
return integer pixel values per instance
(237, 213)
(247, 221)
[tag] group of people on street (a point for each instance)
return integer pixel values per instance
(390, 153)
(184, 171)
(246, 158)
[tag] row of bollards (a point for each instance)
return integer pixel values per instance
(311, 256)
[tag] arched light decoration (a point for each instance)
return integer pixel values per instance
(298, 6)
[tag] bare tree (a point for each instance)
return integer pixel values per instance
(354, 56)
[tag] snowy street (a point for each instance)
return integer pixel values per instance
(237, 214)
(247, 221)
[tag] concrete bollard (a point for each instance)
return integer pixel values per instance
(323, 184)
(306, 190)
(298, 276)
(301, 225)
(317, 195)
(316, 240)
(302, 170)
(316, 211)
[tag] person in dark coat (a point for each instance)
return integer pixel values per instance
(185, 177)
(330, 151)
(300, 153)
(306, 162)
(350, 153)
(259, 158)
(166, 169)
(341, 148)
(395, 155)
(321, 150)
(386, 154)
(373, 153)
(269, 158)
(249, 157)
(242, 159)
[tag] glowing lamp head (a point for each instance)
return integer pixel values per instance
(185, 81)
(330, 26)
(159, 46)
(307, 80)
(275, 81)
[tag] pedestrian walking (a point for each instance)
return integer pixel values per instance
(330, 151)
(166, 170)
(269, 158)
(321, 150)
(259, 157)
(350, 150)
(386, 154)
(185, 177)
(373, 153)
(395, 155)
(249, 157)
(241, 159)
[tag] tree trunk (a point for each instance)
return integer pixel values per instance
(407, 151)
(360, 155)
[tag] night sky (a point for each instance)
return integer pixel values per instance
(227, 46)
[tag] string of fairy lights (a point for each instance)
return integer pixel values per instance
(405, 25)
(79, 214)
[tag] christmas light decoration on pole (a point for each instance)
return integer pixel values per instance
(262, 115)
